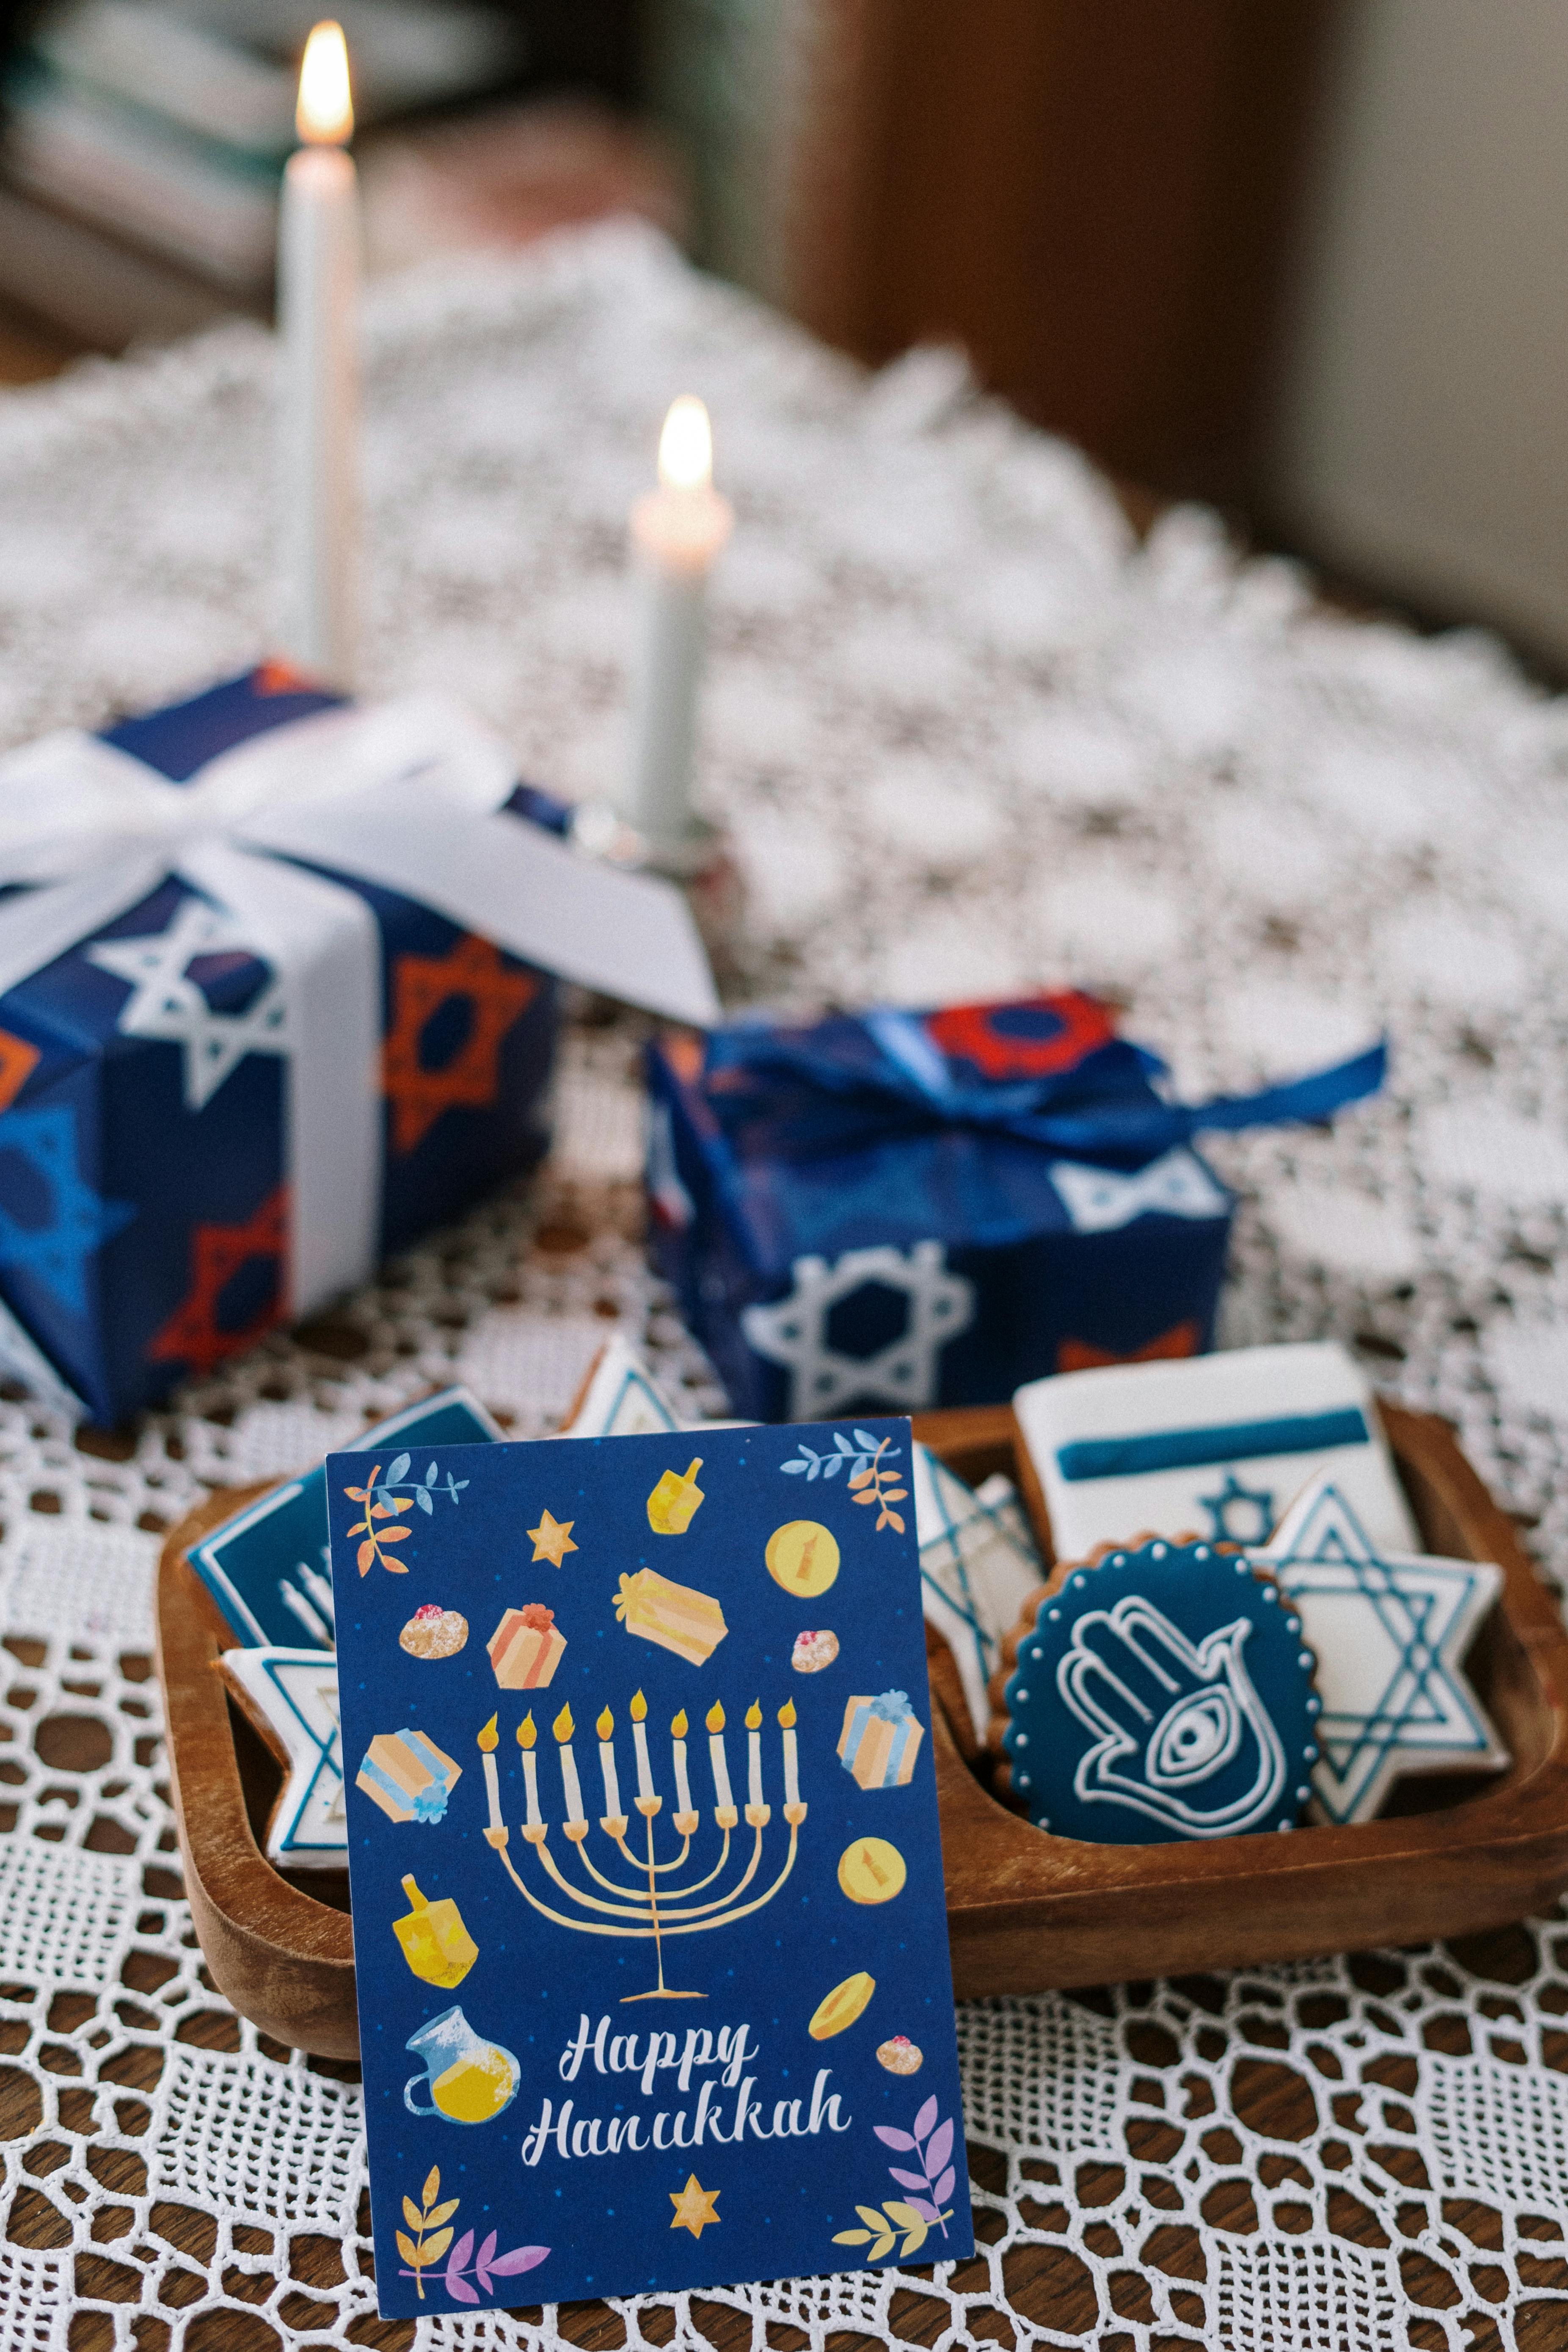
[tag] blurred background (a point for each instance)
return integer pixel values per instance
(1304, 259)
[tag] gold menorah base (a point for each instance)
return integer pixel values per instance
(661, 1910)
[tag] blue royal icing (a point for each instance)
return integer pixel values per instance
(1164, 1694)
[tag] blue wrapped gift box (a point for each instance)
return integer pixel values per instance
(897, 1211)
(238, 1062)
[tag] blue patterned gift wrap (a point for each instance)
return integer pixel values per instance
(897, 1211)
(238, 1063)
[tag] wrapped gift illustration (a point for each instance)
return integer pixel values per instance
(279, 994)
(880, 1741)
(408, 1776)
(526, 1647)
(435, 1944)
(890, 1211)
(691, 1623)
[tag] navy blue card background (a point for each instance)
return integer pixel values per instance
(609, 2220)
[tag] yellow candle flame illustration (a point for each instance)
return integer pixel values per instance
(562, 1725)
(787, 1715)
(488, 1736)
(606, 1723)
(639, 1707)
(753, 1716)
(715, 1718)
(679, 1726)
(526, 1734)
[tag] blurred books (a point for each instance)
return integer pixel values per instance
(165, 125)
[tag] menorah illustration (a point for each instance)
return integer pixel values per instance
(666, 1907)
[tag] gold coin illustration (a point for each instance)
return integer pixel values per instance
(842, 2007)
(871, 1871)
(803, 1556)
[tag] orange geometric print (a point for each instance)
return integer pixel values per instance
(421, 985)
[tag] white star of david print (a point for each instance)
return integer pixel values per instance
(168, 1005)
(792, 1331)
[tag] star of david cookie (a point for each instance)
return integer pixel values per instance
(1165, 1693)
(1391, 1629)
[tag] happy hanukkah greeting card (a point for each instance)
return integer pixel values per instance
(649, 1922)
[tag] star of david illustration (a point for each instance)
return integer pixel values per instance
(421, 985)
(56, 1252)
(192, 1334)
(166, 1003)
(1390, 1631)
(1239, 1513)
(295, 1696)
(793, 1331)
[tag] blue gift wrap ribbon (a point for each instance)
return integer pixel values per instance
(805, 1094)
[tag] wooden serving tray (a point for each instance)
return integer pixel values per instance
(1025, 1910)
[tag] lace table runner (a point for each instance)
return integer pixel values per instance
(968, 736)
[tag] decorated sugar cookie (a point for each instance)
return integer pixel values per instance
(1391, 1629)
(1165, 1692)
(291, 1698)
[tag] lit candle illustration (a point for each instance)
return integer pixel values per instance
(754, 1757)
(487, 1739)
(606, 1727)
(676, 532)
(792, 1762)
(683, 1787)
(639, 1741)
(526, 1736)
(720, 1770)
(317, 305)
(576, 1818)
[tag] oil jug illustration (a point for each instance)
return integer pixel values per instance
(470, 2080)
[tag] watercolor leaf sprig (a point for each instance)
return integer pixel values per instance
(398, 1475)
(931, 2144)
(878, 1484)
(423, 2250)
(371, 1550)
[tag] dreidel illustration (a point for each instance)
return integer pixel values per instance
(435, 1944)
(674, 1502)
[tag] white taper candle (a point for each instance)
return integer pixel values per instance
(605, 1726)
(562, 1728)
(526, 1736)
(725, 1802)
(676, 532)
(790, 1761)
(639, 1741)
(754, 1754)
(318, 407)
(683, 1785)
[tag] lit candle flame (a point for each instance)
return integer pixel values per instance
(686, 447)
(639, 1707)
(606, 1723)
(787, 1715)
(753, 1716)
(324, 116)
(488, 1736)
(678, 1727)
(562, 1725)
(526, 1734)
(715, 1718)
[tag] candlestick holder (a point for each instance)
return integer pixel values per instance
(662, 1904)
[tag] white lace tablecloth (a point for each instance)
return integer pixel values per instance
(969, 737)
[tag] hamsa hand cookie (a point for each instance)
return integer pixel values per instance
(1164, 1692)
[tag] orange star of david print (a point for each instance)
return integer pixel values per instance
(17, 1062)
(192, 1334)
(421, 985)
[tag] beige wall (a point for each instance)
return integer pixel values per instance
(1421, 435)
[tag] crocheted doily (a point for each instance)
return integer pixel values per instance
(968, 736)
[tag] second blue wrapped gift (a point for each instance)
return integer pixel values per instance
(893, 1211)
